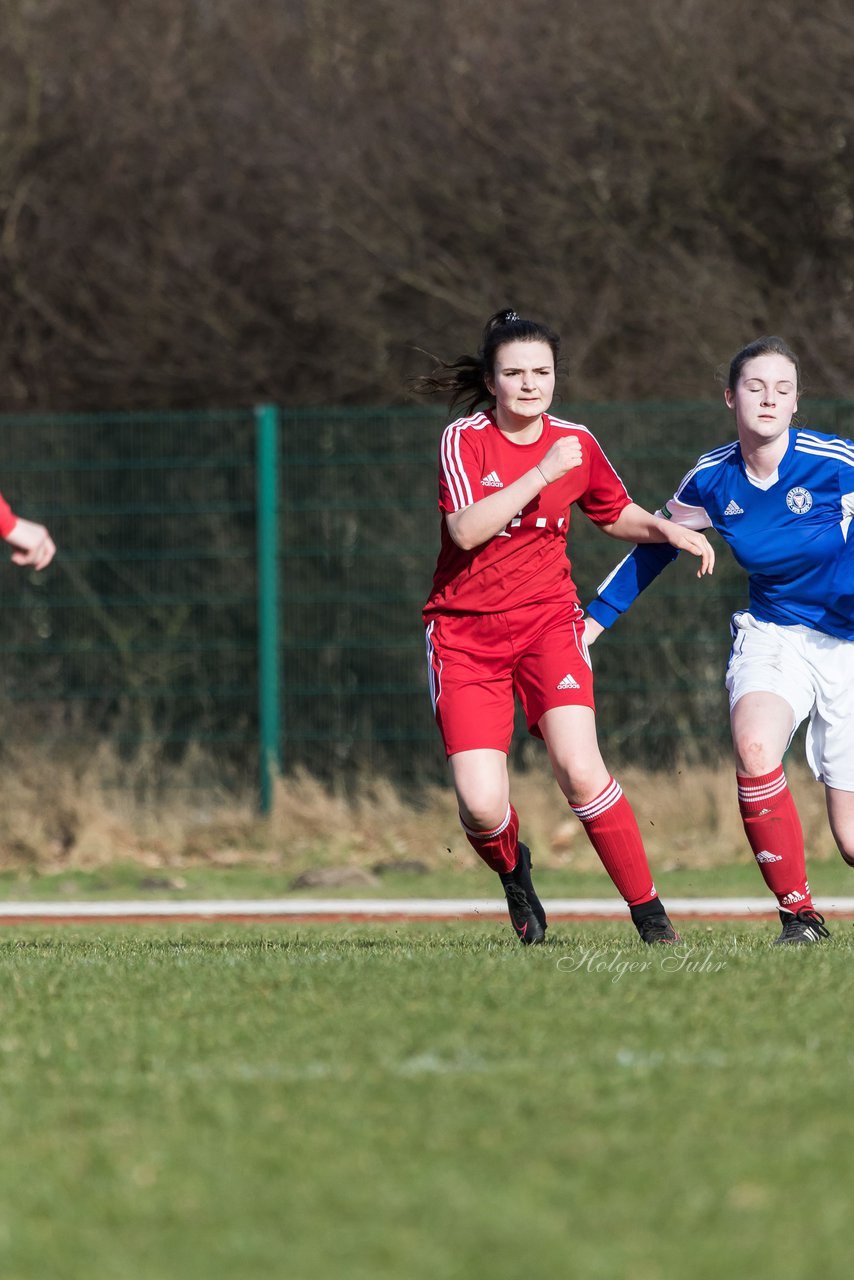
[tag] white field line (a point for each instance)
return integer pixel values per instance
(379, 908)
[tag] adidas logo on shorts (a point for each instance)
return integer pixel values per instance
(734, 509)
(568, 683)
(765, 856)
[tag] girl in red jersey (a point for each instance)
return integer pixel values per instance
(503, 618)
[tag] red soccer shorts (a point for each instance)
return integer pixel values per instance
(478, 663)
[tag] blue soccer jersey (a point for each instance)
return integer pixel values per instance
(789, 532)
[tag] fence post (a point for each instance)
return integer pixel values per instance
(267, 525)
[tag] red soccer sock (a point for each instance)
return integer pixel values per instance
(499, 848)
(774, 832)
(613, 831)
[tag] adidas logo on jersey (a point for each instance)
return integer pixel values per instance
(734, 509)
(491, 481)
(568, 683)
(765, 856)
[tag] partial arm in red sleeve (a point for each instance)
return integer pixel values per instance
(32, 545)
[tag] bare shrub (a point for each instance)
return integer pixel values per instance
(202, 204)
(75, 816)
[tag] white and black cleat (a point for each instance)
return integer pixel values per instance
(801, 928)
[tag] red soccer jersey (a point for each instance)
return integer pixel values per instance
(526, 563)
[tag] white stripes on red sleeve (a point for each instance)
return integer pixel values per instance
(453, 469)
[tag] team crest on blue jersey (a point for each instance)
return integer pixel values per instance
(799, 500)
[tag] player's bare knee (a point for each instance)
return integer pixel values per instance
(483, 823)
(846, 849)
(582, 786)
(484, 812)
(754, 758)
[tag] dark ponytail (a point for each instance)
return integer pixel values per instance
(464, 379)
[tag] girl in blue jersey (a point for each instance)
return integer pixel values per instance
(783, 498)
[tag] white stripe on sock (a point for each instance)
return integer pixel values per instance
(764, 791)
(604, 801)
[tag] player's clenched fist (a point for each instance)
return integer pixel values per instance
(564, 455)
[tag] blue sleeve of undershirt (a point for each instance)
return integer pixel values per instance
(631, 576)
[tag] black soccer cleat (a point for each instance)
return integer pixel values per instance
(650, 920)
(801, 927)
(526, 911)
(523, 868)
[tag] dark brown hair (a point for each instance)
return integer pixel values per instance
(464, 379)
(769, 346)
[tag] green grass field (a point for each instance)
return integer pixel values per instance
(829, 877)
(415, 1101)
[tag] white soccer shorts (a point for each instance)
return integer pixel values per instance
(814, 673)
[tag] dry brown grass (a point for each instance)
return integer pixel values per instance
(85, 812)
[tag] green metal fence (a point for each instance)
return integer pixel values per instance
(142, 633)
(248, 584)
